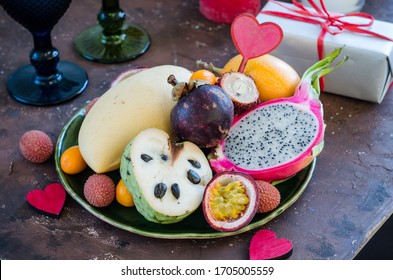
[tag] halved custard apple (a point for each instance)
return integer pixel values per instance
(166, 179)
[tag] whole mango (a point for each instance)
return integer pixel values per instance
(141, 101)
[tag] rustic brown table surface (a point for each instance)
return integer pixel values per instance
(349, 197)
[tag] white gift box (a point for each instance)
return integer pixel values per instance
(366, 75)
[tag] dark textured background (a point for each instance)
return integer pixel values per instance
(346, 202)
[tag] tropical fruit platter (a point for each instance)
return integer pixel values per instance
(170, 152)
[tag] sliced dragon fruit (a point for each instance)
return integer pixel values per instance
(278, 138)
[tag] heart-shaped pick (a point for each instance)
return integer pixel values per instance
(49, 201)
(253, 39)
(265, 246)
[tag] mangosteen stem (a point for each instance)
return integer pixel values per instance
(172, 80)
(208, 66)
(179, 89)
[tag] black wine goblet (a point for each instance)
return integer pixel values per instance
(112, 40)
(47, 79)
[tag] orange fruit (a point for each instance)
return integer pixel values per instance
(123, 196)
(204, 75)
(273, 77)
(71, 161)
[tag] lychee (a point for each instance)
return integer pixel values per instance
(269, 197)
(99, 190)
(36, 146)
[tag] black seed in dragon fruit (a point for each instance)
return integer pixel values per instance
(278, 138)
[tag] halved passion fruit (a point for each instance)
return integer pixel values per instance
(230, 200)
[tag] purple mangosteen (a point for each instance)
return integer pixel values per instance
(203, 116)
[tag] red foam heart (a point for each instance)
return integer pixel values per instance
(253, 39)
(48, 201)
(265, 246)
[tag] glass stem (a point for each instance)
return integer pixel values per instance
(44, 57)
(111, 18)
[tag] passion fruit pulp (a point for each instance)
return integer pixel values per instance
(230, 201)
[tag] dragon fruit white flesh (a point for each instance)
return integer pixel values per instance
(278, 138)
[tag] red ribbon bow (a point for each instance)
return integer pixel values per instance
(332, 23)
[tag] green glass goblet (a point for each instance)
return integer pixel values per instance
(112, 41)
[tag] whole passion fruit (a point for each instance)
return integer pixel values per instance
(230, 201)
(203, 116)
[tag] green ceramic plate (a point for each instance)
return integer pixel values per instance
(194, 226)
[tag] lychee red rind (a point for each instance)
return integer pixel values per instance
(244, 101)
(36, 146)
(99, 190)
(269, 197)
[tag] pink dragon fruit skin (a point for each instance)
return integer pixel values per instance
(232, 153)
